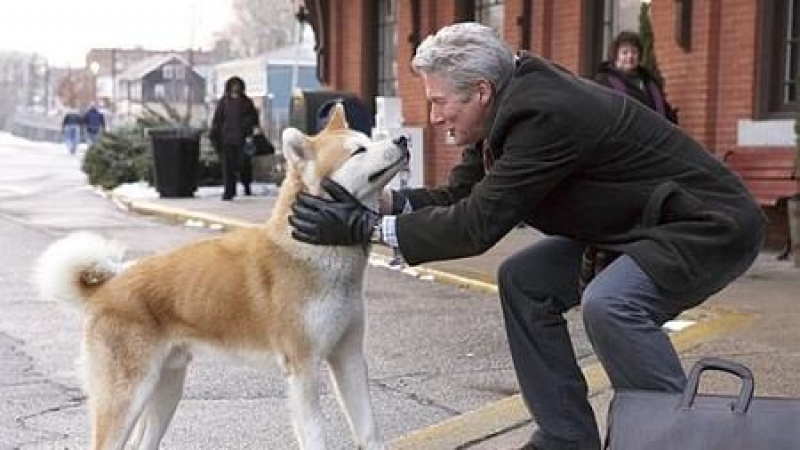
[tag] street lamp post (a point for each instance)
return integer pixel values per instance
(94, 67)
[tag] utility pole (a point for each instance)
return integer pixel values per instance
(46, 87)
(188, 82)
(113, 81)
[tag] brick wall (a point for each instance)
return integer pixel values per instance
(566, 46)
(738, 32)
(713, 84)
(711, 99)
(688, 74)
(348, 22)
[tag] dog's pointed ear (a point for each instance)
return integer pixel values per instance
(338, 119)
(297, 147)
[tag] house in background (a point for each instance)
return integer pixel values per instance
(270, 79)
(107, 64)
(159, 84)
(730, 66)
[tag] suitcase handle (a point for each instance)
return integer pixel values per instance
(744, 374)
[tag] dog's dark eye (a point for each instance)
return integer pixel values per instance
(360, 149)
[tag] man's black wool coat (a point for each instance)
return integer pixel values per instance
(574, 159)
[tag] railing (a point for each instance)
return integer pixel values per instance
(36, 126)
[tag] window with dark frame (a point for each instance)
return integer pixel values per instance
(490, 13)
(602, 21)
(387, 48)
(781, 55)
(608, 27)
(597, 24)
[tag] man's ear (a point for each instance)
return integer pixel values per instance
(296, 147)
(485, 92)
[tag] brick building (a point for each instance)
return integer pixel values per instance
(729, 66)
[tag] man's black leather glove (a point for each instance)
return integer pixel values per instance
(340, 221)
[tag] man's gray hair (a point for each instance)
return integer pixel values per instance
(466, 53)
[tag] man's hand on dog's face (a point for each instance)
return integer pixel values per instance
(340, 221)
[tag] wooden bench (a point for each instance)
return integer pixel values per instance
(770, 174)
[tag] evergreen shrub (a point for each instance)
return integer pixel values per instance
(118, 157)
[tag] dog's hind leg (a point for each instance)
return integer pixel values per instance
(157, 414)
(304, 404)
(349, 369)
(119, 378)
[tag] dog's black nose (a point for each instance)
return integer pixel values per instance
(401, 141)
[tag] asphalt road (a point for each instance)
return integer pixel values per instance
(434, 351)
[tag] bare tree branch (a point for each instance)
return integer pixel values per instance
(260, 26)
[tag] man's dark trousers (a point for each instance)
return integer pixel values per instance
(623, 311)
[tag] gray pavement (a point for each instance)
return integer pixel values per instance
(754, 321)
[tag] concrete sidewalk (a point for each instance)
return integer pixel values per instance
(755, 321)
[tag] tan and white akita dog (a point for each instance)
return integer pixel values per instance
(254, 293)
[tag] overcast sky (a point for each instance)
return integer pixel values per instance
(64, 30)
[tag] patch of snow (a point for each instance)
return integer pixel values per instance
(678, 325)
(138, 190)
(194, 223)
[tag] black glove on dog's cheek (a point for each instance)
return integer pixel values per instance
(304, 231)
(309, 204)
(360, 219)
(324, 222)
(302, 220)
(341, 221)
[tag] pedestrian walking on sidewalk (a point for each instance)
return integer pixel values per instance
(232, 126)
(641, 221)
(95, 124)
(71, 127)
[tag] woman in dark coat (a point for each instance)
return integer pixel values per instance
(597, 173)
(624, 74)
(235, 119)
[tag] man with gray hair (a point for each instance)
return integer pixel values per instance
(641, 222)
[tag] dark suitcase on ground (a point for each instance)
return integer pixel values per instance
(649, 420)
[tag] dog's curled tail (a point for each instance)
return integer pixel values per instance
(72, 268)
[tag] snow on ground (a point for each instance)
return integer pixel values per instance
(10, 144)
(143, 191)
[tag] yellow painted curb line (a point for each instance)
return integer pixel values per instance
(179, 214)
(509, 413)
(441, 276)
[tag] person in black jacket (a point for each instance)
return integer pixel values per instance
(234, 121)
(612, 186)
(624, 74)
(94, 122)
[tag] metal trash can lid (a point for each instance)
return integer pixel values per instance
(174, 132)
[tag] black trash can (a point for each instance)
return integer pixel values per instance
(176, 157)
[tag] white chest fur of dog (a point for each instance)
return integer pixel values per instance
(254, 293)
